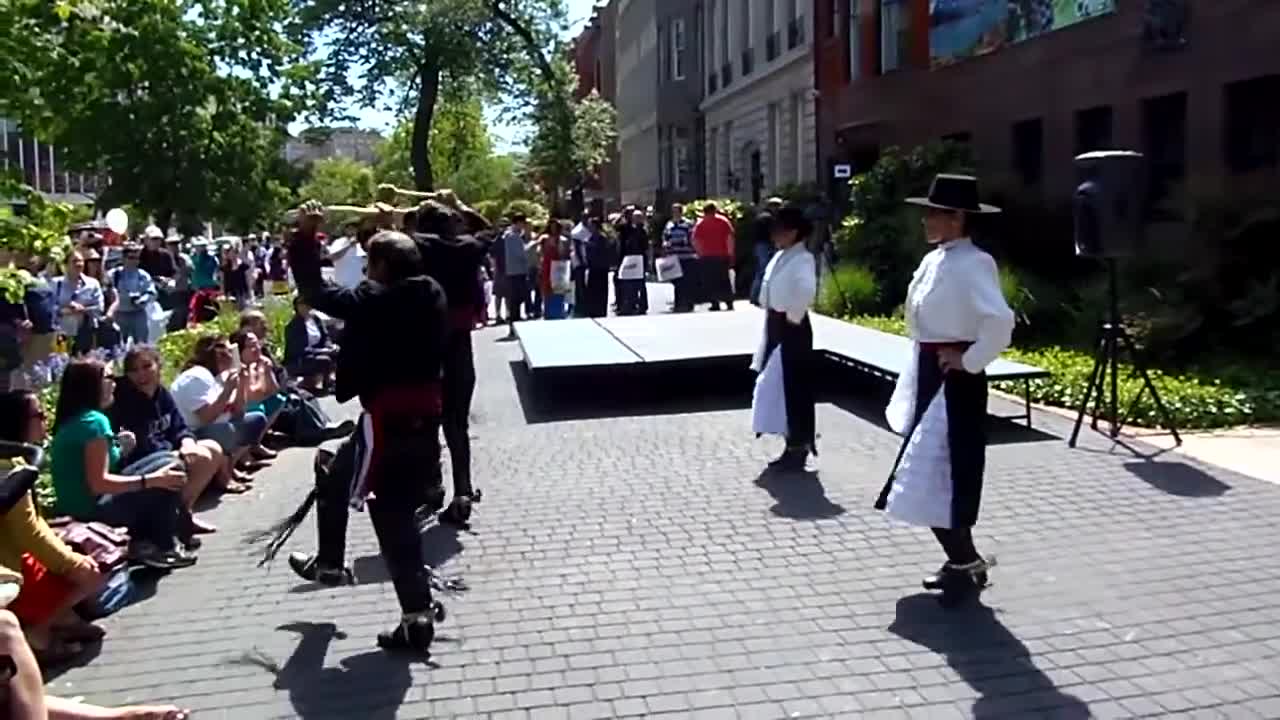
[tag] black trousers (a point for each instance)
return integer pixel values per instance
(795, 342)
(517, 296)
(409, 447)
(597, 285)
(633, 297)
(459, 387)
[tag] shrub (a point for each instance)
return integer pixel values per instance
(882, 233)
(849, 289)
(1199, 398)
(1017, 294)
(491, 210)
(537, 214)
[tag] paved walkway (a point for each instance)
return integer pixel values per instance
(629, 563)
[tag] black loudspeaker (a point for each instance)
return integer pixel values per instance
(1108, 203)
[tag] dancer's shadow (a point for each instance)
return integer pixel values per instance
(440, 544)
(987, 656)
(1178, 478)
(798, 495)
(370, 685)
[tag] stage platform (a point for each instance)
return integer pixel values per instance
(654, 341)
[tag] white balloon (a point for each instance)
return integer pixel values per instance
(117, 221)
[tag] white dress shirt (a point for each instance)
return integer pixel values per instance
(790, 283)
(955, 296)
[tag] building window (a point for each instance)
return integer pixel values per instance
(1252, 124)
(797, 138)
(1028, 151)
(1164, 142)
(855, 41)
(775, 147)
(1093, 129)
(833, 18)
(682, 164)
(678, 47)
(713, 161)
(895, 38)
(598, 78)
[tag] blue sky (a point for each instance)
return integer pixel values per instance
(506, 137)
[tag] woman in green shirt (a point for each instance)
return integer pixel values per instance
(83, 452)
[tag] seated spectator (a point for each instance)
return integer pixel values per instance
(83, 452)
(145, 407)
(54, 577)
(211, 395)
(262, 392)
(308, 352)
(22, 694)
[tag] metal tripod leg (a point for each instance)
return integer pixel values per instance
(1141, 369)
(1094, 383)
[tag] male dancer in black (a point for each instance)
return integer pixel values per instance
(452, 257)
(393, 366)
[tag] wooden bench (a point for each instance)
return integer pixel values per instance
(882, 354)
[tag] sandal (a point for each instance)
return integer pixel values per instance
(262, 453)
(235, 487)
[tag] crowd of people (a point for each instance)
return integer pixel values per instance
(565, 268)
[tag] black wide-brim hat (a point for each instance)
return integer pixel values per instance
(954, 192)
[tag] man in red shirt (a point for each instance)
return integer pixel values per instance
(713, 239)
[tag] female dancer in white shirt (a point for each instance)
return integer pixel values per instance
(960, 322)
(782, 403)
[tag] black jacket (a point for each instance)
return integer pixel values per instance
(454, 262)
(393, 335)
(295, 339)
(632, 240)
(154, 420)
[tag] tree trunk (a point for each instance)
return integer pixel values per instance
(420, 150)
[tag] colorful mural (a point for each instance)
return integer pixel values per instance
(1030, 18)
(960, 29)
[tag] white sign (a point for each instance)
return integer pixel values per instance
(844, 170)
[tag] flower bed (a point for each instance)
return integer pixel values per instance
(1197, 398)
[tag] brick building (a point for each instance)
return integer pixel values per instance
(594, 63)
(1194, 84)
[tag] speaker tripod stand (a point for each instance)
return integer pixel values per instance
(1105, 378)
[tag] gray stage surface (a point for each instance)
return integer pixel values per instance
(711, 336)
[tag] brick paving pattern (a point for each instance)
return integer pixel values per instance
(632, 564)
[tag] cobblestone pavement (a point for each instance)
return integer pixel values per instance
(628, 562)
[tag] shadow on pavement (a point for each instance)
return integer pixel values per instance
(370, 685)
(1178, 478)
(440, 544)
(798, 495)
(987, 656)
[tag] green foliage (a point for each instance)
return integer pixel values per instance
(536, 213)
(181, 103)
(41, 233)
(571, 138)
(491, 210)
(339, 181)
(1197, 398)
(1020, 298)
(883, 233)
(848, 290)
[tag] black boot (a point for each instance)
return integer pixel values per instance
(413, 634)
(793, 459)
(309, 568)
(960, 583)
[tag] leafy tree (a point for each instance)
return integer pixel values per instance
(41, 232)
(410, 51)
(339, 181)
(182, 103)
(563, 155)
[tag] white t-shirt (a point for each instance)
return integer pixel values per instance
(348, 269)
(195, 388)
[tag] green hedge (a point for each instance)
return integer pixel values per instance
(1197, 398)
